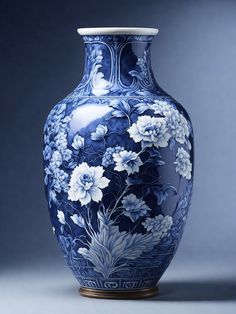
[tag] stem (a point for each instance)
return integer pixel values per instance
(115, 221)
(118, 200)
(141, 151)
(86, 229)
(129, 121)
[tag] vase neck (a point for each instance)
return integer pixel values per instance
(117, 65)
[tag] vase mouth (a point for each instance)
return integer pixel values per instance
(118, 31)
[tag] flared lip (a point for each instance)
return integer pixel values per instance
(118, 31)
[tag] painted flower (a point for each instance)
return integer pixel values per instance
(175, 122)
(177, 126)
(61, 217)
(61, 141)
(150, 131)
(78, 220)
(159, 225)
(183, 164)
(67, 154)
(162, 107)
(78, 142)
(56, 160)
(95, 56)
(86, 184)
(55, 175)
(99, 134)
(107, 158)
(127, 160)
(142, 63)
(59, 180)
(134, 207)
(61, 144)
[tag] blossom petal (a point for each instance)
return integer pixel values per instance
(98, 172)
(85, 200)
(96, 194)
(103, 183)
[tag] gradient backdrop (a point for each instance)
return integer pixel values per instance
(194, 59)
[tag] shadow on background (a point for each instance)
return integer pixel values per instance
(208, 290)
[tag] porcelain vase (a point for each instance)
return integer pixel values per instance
(118, 162)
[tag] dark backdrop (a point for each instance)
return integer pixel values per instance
(42, 58)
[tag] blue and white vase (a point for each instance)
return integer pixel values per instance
(118, 162)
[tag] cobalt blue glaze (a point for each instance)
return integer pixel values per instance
(118, 157)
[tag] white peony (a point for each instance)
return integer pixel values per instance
(127, 160)
(175, 122)
(86, 184)
(177, 126)
(162, 107)
(183, 164)
(150, 131)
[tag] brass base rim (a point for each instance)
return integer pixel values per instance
(118, 294)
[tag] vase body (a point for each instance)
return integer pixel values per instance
(118, 160)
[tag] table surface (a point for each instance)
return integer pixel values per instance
(52, 289)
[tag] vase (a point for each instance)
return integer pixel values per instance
(118, 162)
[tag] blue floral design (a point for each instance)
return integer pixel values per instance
(78, 220)
(150, 131)
(100, 133)
(183, 164)
(78, 142)
(107, 158)
(128, 161)
(86, 184)
(158, 225)
(134, 207)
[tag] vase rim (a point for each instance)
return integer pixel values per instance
(118, 31)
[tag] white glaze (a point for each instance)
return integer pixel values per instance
(118, 31)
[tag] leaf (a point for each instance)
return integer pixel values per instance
(162, 192)
(145, 93)
(154, 152)
(141, 107)
(72, 164)
(126, 106)
(136, 74)
(122, 108)
(144, 145)
(99, 134)
(189, 145)
(134, 181)
(118, 114)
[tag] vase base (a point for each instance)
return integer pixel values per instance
(118, 294)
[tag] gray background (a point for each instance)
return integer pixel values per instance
(194, 59)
